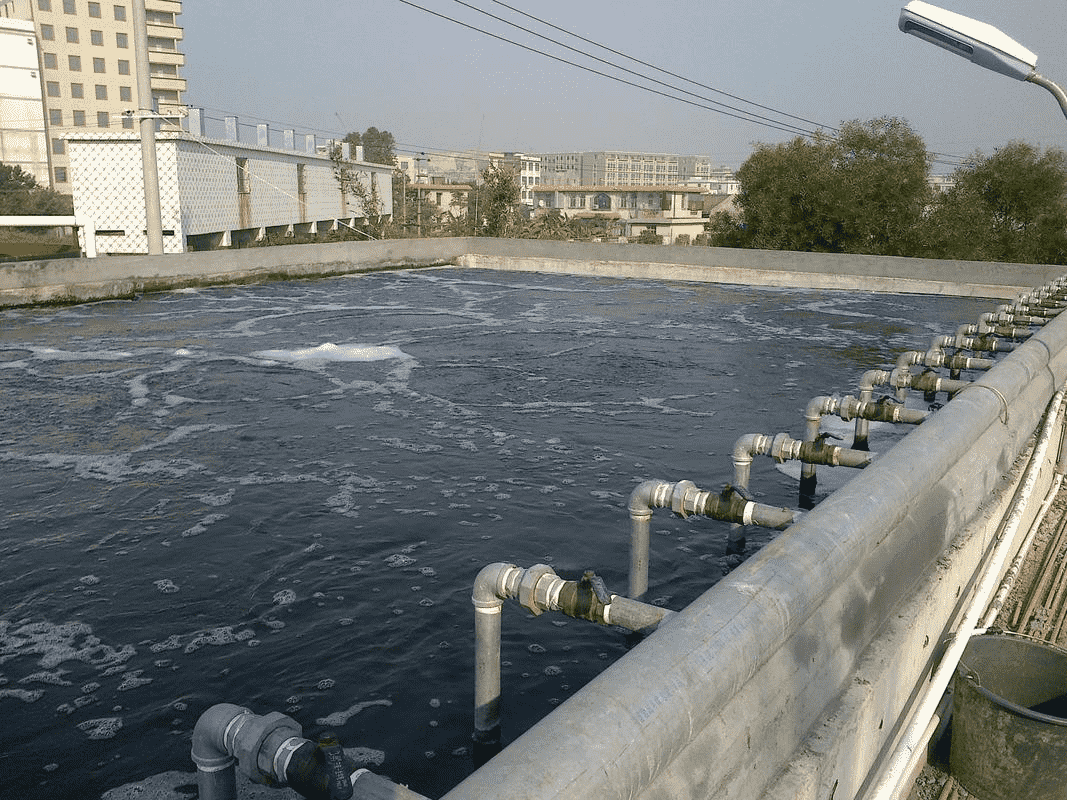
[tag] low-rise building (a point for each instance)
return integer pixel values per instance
(215, 193)
(667, 211)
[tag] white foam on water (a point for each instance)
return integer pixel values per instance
(333, 352)
(339, 718)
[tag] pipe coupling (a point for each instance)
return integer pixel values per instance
(259, 743)
(535, 588)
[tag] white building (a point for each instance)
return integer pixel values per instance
(23, 141)
(213, 193)
(667, 211)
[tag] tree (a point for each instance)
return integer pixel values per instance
(1010, 206)
(497, 196)
(862, 191)
(363, 188)
(379, 147)
(20, 195)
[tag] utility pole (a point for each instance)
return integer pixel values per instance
(418, 174)
(147, 114)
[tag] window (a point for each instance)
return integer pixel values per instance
(98, 65)
(102, 120)
(94, 10)
(77, 91)
(55, 116)
(97, 38)
(50, 61)
(61, 174)
(79, 119)
(101, 92)
(44, 5)
(124, 67)
(120, 13)
(72, 35)
(59, 147)
(122, 40)
(48, 33)
(160, 43)
(74, 63)
(127, 122)
(126, 93)
(52, 87)
(69, 7)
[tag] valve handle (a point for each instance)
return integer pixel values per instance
(340, 785)
(596, 583)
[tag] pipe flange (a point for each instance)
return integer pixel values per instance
(249, 742)
(528, 586)
(679, 496)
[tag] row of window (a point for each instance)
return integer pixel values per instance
(77, 91)
(74, 64)
(103, 119)
(71, 7)
(48, 34)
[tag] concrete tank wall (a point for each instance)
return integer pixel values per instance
(77, 280)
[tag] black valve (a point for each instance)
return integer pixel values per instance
(340, 785)
(321, 770)
(585, 598)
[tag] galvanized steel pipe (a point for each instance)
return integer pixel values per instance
(538, 589)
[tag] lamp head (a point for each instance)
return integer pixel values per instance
(976, 41)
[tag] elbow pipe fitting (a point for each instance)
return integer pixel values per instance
(493, 584)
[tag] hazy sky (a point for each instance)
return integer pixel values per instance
(341, 65)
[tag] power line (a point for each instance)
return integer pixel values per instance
(781, 127)
(633, 72)
(660, 69)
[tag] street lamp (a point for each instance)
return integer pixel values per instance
(976, 41)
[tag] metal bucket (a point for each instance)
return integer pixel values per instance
(1009, 732)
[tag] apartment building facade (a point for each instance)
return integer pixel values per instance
(621, 168)
(88, 71)
(23, 142)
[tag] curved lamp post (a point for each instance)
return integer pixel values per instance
(976, 41)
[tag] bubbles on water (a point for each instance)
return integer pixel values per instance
(88, 580)
(166, 586)
(435, 702)
(339, 718)
(285, 597)
(52, 678)
(426, 602)
(103, 728)
(397, 560)
(56, 644)
(325, 683)
(552, 670)
(429, 572)
(203, 525)
(536, 648)
(25, 695)
(217, 499)
(133, 680)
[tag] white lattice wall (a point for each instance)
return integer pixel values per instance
(199, 188)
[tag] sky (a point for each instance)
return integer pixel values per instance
(346, 65)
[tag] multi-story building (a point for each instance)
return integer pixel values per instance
(618, 168)
(88, 71)
(527, 169)
(23, 142)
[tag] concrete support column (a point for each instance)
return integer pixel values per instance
(233, 130)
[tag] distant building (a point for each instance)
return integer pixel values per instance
(449, 198)
(668, 211)
(621, 168)
(438, 168)
(527, 169)
(88, 69)
(941, 182)
(23, 139)
(213, 193)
